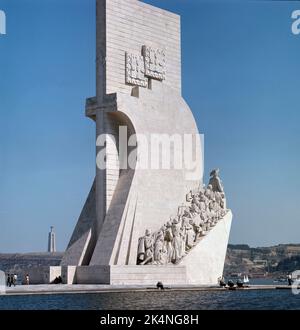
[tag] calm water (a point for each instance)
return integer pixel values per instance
(260, 299)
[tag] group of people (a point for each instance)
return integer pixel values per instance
(231, 285)
(12, 279)
(203, 209)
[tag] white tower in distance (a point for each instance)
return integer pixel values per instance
(51, 241)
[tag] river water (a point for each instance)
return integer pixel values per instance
(185, 300)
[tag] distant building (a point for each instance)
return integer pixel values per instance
(259, 275)
(261, 262)
(51, 241)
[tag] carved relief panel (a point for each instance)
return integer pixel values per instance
(135, 70)
(155, 62)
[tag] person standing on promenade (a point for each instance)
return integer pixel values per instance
(12, 280)
(27, 279)
(15, 279)
(8, 283)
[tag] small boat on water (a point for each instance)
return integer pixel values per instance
(246, 279)
(241, 283)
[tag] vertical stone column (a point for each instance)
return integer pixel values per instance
(100, 173)
(51, 241)
(100, 114)
(100, 50)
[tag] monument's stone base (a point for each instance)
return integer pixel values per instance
(43, 275)
(131, 275)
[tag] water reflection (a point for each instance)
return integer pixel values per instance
(184, 300)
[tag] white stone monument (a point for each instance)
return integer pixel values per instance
(144, 224)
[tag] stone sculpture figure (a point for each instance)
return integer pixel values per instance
(182, 234)
(197, 218)
(187, 213)
(176, 241)
(212, 210)
(195, 200)
(158, 246)
(209, 193)
(145, 248)
(189, 196)
(199, 231)
(163, 257)
(169, 240)
(181, 210)
(194, 210)
(190, 234)
(215, 181)
(202, 203)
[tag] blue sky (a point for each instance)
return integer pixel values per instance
(241, 77)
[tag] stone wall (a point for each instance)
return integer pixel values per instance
(131, 24)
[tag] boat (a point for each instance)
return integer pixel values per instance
(246, 279)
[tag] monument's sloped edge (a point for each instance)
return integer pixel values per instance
(205, 262)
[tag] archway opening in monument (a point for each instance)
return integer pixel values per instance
(119, 168)
(119, 171)
(121, 128)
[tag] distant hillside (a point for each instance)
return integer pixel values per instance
(274, 260)
(240, 259)
(14, 263)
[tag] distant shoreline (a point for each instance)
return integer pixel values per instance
(261, 262)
